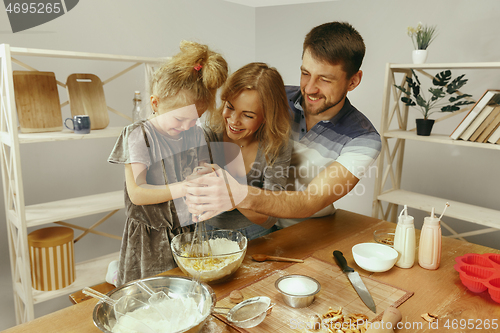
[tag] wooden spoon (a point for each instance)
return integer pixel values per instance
(264, 257)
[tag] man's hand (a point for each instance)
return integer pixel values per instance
(213, 193)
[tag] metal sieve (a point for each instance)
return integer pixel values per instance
(248, 313)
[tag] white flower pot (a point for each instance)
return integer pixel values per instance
(419, 56)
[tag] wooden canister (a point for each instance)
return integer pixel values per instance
(51, 258)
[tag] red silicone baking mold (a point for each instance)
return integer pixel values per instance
(479, 272)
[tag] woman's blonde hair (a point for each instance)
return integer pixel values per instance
(274, 132)
(192, 76)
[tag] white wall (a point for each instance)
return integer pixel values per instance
(467, 32)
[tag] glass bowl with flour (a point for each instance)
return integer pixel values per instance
(224, 252)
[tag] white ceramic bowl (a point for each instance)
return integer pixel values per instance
(374, 257)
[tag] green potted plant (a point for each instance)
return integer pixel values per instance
(421, 37)
(442, 98)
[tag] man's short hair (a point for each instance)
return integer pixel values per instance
(336, 43)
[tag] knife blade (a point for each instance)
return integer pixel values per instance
(355, 280)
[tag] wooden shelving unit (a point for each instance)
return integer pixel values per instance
(390, 163)
(20, 217)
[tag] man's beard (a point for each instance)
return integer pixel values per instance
(324, 108)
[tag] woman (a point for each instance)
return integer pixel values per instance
(254, 116)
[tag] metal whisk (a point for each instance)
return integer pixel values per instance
(197, 249)
(200, 237)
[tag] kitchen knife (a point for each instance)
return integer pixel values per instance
(355, 280)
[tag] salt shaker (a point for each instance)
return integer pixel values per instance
(429, 252)
(404, 240)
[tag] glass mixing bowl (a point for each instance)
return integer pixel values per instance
(227, 251)
(385, 236)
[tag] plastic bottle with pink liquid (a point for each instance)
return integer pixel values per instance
(429, 250)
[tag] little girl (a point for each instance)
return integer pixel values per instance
(158, 154)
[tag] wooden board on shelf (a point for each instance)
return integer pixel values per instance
(37, 101)
(336, 291)
(86, 97)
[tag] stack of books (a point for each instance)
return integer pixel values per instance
(482, 123)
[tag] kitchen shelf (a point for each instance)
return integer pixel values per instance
(23, 51)
(65, 135)
(394, 126)
(61, 210)
(456, 65)
(88, 273)
(462, 211)
(438, 138)
(19, 216)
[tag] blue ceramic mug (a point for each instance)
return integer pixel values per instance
(81, 124)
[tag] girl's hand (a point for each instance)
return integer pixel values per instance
(200, 171)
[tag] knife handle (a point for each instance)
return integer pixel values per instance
(339, 257)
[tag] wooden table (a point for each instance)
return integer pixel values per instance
(439, 292)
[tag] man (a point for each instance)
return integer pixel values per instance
(333, 143)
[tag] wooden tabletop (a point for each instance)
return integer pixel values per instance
(439, 292)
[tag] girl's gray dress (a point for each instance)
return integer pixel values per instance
(145, 249)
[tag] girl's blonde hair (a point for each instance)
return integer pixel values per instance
(192, 76)
(275, 131)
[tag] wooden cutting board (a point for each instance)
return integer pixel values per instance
(37, 101)
(336, 291)
(86, 97)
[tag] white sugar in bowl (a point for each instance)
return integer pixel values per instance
(298, 291)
